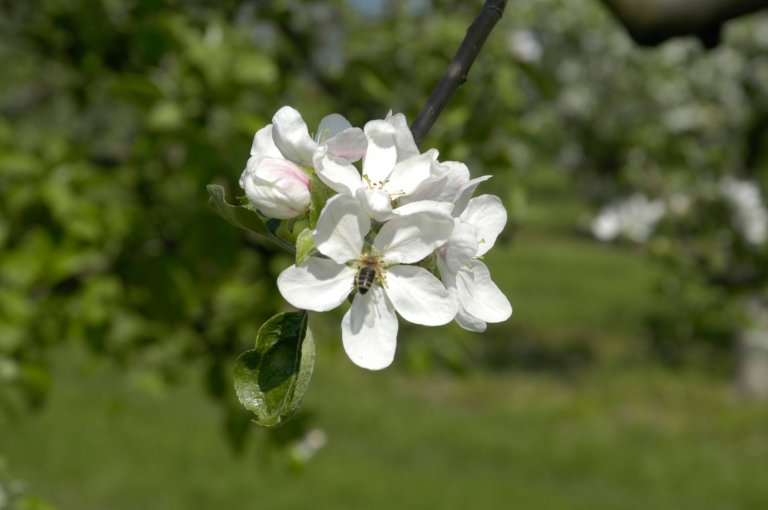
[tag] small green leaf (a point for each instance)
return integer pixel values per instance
(238, 215)
(271, 379)
(245, 216)
(319, 195)
(304, 246)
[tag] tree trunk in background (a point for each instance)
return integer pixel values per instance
(651, 22)
(753, 350)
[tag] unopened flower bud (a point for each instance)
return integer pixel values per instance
(277, 187)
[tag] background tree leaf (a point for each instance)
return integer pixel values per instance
(271, 379)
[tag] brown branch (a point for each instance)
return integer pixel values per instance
(651, 22)
(457, 71)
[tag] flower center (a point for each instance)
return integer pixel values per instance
(374, 184)
(369, 272)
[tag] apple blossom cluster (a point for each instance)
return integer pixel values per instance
(402, 235)
(635, 218)
(750, 216)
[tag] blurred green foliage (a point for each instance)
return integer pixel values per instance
(670, 123)
(116, 114)
(114, 117)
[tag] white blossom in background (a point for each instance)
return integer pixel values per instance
(525, 46)
(635, 218)
(679, 203)
(275, 179)
(304, 449)
(750, 216)
(475, 231)
(369, 328)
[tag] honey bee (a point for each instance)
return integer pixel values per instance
(367, 274)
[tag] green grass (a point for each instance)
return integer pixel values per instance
(618, 432)
(573, 286)
(631, 438)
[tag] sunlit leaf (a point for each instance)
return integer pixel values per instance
(238, 215)
(245, 217)
(271, 379)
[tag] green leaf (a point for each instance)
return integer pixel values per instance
(238, 215)
(319, 195)
(271, 379)
(244, 216)
(304, 246)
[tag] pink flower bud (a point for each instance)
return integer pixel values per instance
(277, 187)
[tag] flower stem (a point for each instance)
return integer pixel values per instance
(457, 71)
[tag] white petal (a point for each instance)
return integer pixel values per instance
(487, 214)
(406, 147)
(469, 322)
(291, 136)
(419, 297)
(456, 175)
(350, 144)
(409, 174)
(250, 166)
(318, 284)
(330, 126)
(460, 248)
(423, 205)
(336, 172)
(262, 146)
(341, 229)
(369, 330)
(381, 156)
(377, 203)
(428, 190)
(463, 319)
(479, 296)
(465, 193)
(407, 239)
(443, 184)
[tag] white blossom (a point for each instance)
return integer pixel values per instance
(635, 218)
(750, 216)
(305, 448)
(525, 46)
(392, 167)
(475, 231)
(448, 182)
(274, 179)
(396, 209)
(322, 283)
